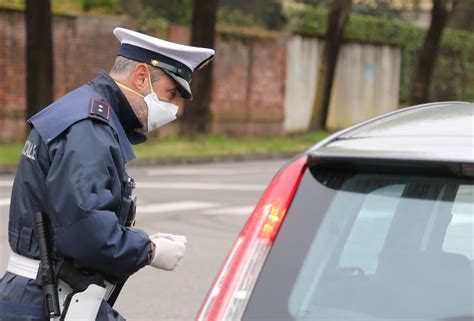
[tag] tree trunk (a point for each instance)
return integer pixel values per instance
(39, 55)
(338, 17)
(429, 51)
(197, 114)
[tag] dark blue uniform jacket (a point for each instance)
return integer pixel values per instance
(72, 168)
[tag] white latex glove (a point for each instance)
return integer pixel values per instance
(168, 253)
(172, 237)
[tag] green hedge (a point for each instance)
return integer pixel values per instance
(453, 77)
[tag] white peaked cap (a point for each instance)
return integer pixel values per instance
(178, 61)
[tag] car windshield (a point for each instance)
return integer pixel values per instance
(362, 246)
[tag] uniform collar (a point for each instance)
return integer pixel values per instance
(108, 89)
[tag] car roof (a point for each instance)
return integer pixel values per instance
(441, 131)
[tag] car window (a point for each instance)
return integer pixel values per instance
(461, 229)
(361, 246)
(370, 229)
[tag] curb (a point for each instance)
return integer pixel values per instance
(11, 169)
(210, 159)
(8, 169)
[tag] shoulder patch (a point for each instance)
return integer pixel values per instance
(99, 108)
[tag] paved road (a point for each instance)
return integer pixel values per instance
(208, 203)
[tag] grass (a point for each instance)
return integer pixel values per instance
(216, 145)
(10, 153)
(204, 145)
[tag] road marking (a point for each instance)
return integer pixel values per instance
(174, 207)
(200, 186)
(6, 183)
(204, 171)
(242, 210)
(4, 201)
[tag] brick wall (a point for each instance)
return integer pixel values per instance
(248, 99)
(249, 73)
(12, 75)
(248, 82)
(82, 45)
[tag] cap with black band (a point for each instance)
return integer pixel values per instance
(177, 61)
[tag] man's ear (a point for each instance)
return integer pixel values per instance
(139, 77)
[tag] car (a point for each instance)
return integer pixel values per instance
(374, 223)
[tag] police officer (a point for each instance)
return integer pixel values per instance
(73, 169)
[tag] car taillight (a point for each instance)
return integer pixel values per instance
(231, 290)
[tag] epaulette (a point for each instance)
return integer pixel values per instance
(79, 104)
(99, 109)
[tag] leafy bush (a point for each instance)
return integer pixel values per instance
(106, 6)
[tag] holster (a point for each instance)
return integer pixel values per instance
(80, 293)
(127, 211)
(69, 293)
(129, 202)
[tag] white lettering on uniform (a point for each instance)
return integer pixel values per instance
(29, 150)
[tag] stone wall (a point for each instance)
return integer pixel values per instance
(366, 83)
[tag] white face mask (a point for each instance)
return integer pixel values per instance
(159, 112)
